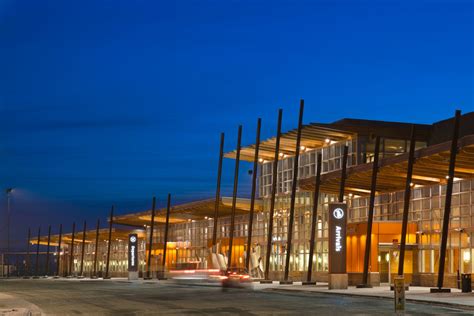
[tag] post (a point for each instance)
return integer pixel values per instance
(83, 248)
(165, 244)
(96, 247)
(293, 194)
(152, 225)
(314, 220)
(47, 251)
(58, 263)
(406, 201)
(272, 201)
(71, 252)
(218, 192)
(447, 204)
(234, 197)
(252, 198)
(109, 244)
(368, 240)
(37, 253)
(343, 174)
(27, 261)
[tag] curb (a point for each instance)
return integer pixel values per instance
(416, 300)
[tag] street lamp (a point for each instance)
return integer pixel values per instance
(8, 191)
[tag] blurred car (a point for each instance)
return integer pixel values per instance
(236, 277)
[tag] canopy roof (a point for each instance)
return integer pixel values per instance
(431, 167)
(313, 135)
(117, 234)
(196, 210)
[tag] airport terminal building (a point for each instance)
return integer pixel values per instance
(191, 225)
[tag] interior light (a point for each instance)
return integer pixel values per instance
(260, 159)
(327, 140)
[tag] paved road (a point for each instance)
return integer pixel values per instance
(74, 297)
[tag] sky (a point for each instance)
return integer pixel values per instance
(112, 102)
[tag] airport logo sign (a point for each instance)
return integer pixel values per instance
(337, 237)
(133, 252)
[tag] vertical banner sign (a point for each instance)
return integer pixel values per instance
(132, 252)
(337, 237)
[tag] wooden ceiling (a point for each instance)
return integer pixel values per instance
(431, 167)
(312, 136)
(117, 234)
(197, 210)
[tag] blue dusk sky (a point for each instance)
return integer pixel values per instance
(112, 102)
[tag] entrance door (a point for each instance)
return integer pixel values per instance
(384, 266)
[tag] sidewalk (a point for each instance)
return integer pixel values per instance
(415, 294)
(13, 306)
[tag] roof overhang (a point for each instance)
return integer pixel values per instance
(117, 234)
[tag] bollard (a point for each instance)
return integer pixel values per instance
(399, 294)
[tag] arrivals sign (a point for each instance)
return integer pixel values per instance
(133, 252)
(337, 237)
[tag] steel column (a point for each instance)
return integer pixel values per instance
(252, 198)
(83, 249)
(71, 252)
(343, 174)
(289, 237)
(165, 244)
(406, 201)
(368, 240)
(234, 197)
(109, 244)
(449, 192)
(218, 192)
(27, 261)
(152, 225)
(314, 218)
(272, 201)
(96, 247)
(58, 263)
(37, 252)
(47, 251)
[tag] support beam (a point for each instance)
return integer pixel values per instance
(71, 252)
(165, 244)
(28, 261)
(368, 240)
(343, 174)
(314, 219)
(150, 243)
(37, 253)
(252, 197)
(218, 194)
(406, 201)
(272, 200)
(234, 197)
(447, 204)
(107, 264)
(83, 249)
(58, 257)
(94, 274)
(47, 251)
(296, 159)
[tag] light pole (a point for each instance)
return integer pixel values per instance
(8, 191)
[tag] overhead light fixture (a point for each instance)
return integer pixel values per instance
(327, 140)
(260, 159)
(302, 147)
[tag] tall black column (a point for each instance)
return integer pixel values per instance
(293, 193)
(314, 219)
(272, 201)
(406, 202)
(94, 274)
(37, 253)
(368, 240)
(165, 244)
(58, 258)
(28, 261)
(83, 249)
(447, 204)
(152, 226)
(71, 252)
(218, 193)
(107, 264)
(234, 198)
(343, 174)
(252, 198)
(47, 251)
